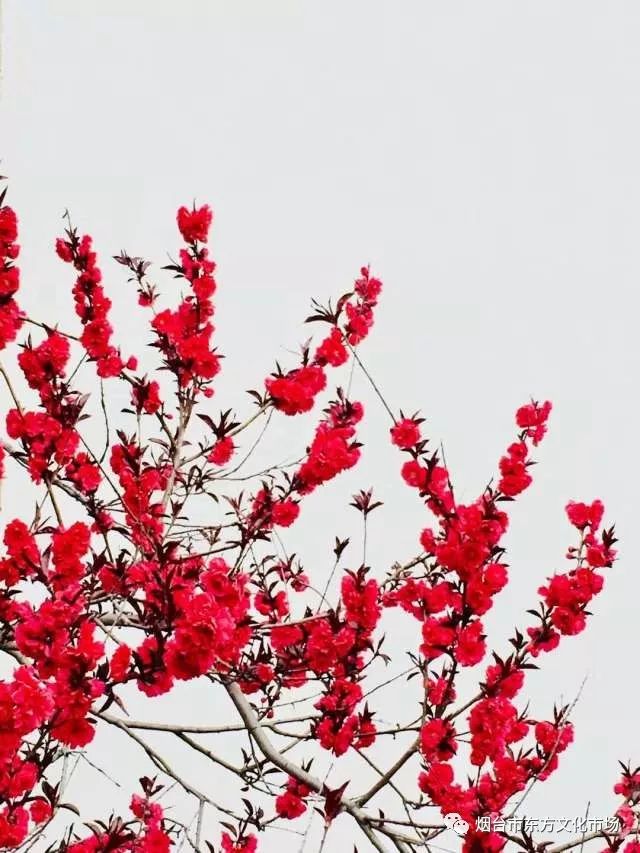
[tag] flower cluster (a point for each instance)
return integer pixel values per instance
(145, 396)
(184, 335)
(332, 350)
(466, 549)
(10, 314)
(495, 725)
(44, 365)
(341, 653)
(131, 589)
(515, 477)
(340, 727)
(44, 438)
(25, 705)
(204, 613)
(294, 392)
(268, 511)
(51, 435)
(359, 310)
(465, 572)
(139, 481)
(567, 595)
(291, 803)
(332, 648)
(92, 304)
(212, 627)
(148, 832)
(54, 690)
(333, 448)
(23, 558)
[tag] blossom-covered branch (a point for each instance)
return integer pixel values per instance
(149, 563)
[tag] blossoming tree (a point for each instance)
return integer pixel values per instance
(113, 582)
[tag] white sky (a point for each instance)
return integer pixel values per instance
(483, 157)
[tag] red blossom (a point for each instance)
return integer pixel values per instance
(222, 451)
(437, 741)
(533, 418)
(583, 515)
(296, 391)
(10, 315)
(285, 512)
(194, 224)
(405, 434)
(291, 803)
(332, 351)
(145, 397)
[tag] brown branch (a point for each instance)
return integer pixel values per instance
(391, 772)
(255, 730)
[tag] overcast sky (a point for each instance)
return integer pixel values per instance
(483, 158)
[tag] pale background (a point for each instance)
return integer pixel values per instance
(483, 157)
